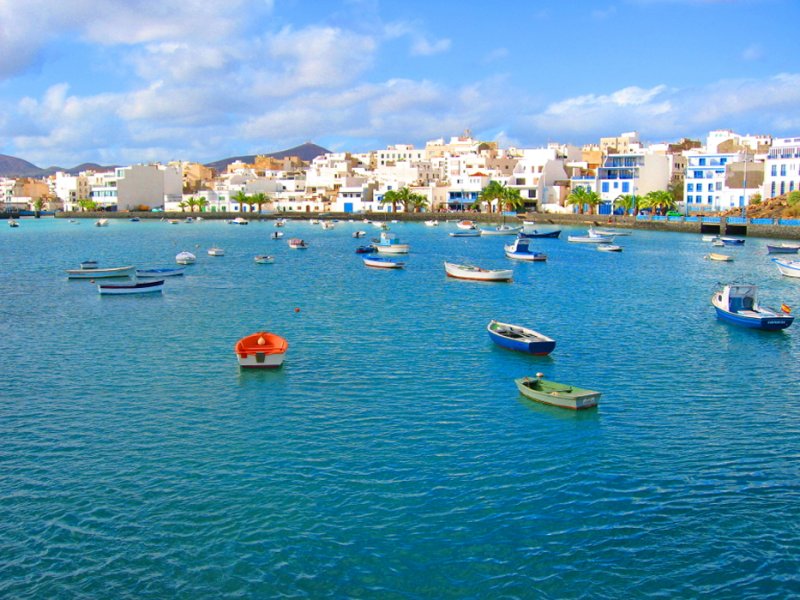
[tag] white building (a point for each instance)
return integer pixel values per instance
(636, 173)
(782, 167)
(705, 184)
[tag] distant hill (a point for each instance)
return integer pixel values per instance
(16, 167)
(306, 152)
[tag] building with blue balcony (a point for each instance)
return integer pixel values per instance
(718, 181)
(634, 174)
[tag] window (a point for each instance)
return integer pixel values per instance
(710, 187)
(791, 186)
(702, 162)
(626, 187)
(616, 185)
(605, 187)
(783, 187)
(689, 187)
(774, 171)
(719, 186)
(783, 170)
(698, 174)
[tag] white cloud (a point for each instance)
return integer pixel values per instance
(424, 47)
(753, 52)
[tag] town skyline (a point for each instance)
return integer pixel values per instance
(126, 83)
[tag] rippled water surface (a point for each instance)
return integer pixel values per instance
(391, 456)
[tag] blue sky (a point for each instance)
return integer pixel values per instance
(127, 81)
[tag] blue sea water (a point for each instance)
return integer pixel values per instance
(391, 456)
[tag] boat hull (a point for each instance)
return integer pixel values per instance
(782, 249)
(527, 256)
(392, 248)
(151, 287)
(537, 344)
(101, 273)
(764, 322)
(788, 268)
(377, 263)
(147, 273)
(473, 273)
(555, 394)
(262, 350)
(540, 234)
(580, 239)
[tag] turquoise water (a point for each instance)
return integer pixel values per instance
(391, 456)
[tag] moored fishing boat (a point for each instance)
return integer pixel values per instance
(101, 223)
(606, 247)
(89, 264)
(729, 241)
(782, 248)
(262, 350)
(12, 222)
(359, 234)
(185, 258)
(380, 262)
(502, 230)
(100, 273)
(535, 233)
(264, 259)
(738, 304)
(557, 394)
(139, 287)
(389, 243)
(432, 223)
(476, 273)
(789, 268)
(587, 239)
(521, 339)
(165, 272)
(276, 235)
(466, 224)
(719, 257)
(216, 251)
(297, 244)
(519, 249)
(239, 221)
(464, 234)
(365, 249)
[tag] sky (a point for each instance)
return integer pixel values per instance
(136, 81)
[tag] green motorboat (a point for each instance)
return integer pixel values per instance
(557, 394)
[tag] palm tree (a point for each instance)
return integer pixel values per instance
(241, 199)
(512, 199)
(658, 200)
(86, 204)
(493, 192)
(201, 203)
(391, 196)
(416, 202)
(182, 205)
(583, 197)
(191, 202)
(626, 202)
(259, 199)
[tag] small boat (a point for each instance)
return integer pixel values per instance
(557, 394)
(466, 224)
(327, 225)
(359, 234)
(738, 304)
(592, 232)
(216, 251)
(586, 239)
(264, 259)
(782, 248)
(297, 244)
(432, 223)
(75, 221)
(134, 219)
(239, 221)
(719, 257)
(314, 221)
(605, 247)
(521, 339)
(100, 273)
(502, 230)
(709, 238)
(519, 249)
(89, 264)
(101, 223)
(13, 223)
(380, 262)
(140, 287)
(540, 234)
(464, 234)
(173, 221)
(276, 235)
(185, 258)
(262, 350)
(728, 241)
(790, 268)
(390, 244)
(166, 272)
(609, 232)
(717, 242)
(477, 273)
(188, 220)
(280, 222)
(365, 250)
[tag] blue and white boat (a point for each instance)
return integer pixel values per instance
(540, 234)
(521, 339)
(729, 241)
(149, 287)
(166, 272)
(789, 268)
(519, 249)
(782, 248)
(466, 233)
(390, 244)
(380, 262)
(738, 304)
